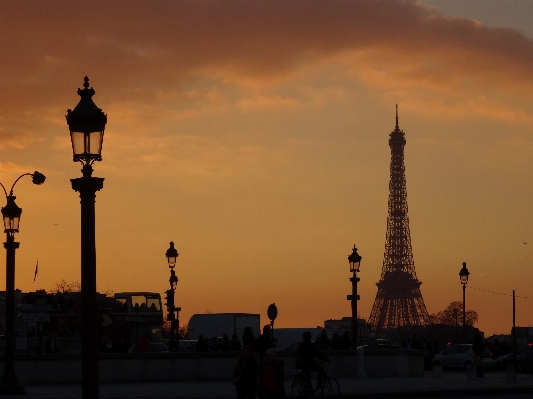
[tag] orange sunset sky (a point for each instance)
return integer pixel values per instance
(255, 136)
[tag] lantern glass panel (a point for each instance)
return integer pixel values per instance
(172, 260)
(94, 146)
(11, 224)
(87, 145)
(464, 279)
(354, 266)
(78, 143)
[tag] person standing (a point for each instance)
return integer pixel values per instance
(415, 343)
(322, 341)
(235, 343)
(477, 349)
(202, 345)
(335, 341)
(264, 342)
(245, 374)
(345, 342)
(248, 339)
(271, 381)
(226, 343)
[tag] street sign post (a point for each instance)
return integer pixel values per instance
(272, 313)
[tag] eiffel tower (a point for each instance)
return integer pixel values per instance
(399, 301)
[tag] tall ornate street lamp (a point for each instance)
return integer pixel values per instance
(87, 124)
(11, 213)
(172, 257)
(463, 275)
(355, 263)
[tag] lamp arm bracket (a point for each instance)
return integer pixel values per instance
(13, 186)
(5, 192)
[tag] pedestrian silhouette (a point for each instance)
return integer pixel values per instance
(245, 374)
(248, 339)
(477, 349)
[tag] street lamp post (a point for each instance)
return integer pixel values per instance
(355, 263)
(172, 257)
(463, 275)
(11, 213)
(86, 124)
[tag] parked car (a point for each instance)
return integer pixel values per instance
(154, 347)
(524, 361)
(187, 345)
(500, 363)
(382, 346)
(366, 341)
(461, 356)
(293, 347)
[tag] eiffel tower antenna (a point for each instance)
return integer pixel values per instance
(397, 127)
(399, 301)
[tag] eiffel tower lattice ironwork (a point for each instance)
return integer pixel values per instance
(399, 301)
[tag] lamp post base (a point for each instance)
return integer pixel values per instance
(9, 385)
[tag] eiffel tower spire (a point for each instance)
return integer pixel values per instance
(399, 301)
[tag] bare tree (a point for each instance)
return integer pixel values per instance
(108, 293)
(63, 287)
(453, 315)
(182, 330)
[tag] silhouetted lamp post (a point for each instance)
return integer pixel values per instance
(463, 275)
(172, 257)
(11, 213)
(355, 263)
(86, 124)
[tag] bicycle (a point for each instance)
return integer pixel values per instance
(303, 388)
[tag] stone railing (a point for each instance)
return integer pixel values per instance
(59, 369)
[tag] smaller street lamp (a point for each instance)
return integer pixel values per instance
(355, 260)
(172, 257)
(11, 213)
(173, 280)
(355, 263)
(463, 275)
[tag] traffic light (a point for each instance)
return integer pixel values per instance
(169, 299)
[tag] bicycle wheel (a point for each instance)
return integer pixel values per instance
(299, 389)
(330, 388)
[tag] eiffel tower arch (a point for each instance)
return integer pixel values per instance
(398, 301)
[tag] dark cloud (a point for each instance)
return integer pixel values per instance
(47, 47)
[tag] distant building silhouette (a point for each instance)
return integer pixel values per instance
(398, 302)
(340, 326)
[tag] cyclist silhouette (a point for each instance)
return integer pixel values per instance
(307, 355)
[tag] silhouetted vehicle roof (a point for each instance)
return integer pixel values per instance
(383, 346)
(154, 347)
